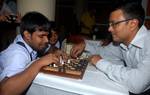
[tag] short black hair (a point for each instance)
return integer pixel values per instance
(33, 21)
(53, 28)
(132, 10)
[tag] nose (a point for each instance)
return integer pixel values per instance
(46, 39)
(110, 29)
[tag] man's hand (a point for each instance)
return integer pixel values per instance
(62, 54)
(4, 18)
(48, 59)
(18, 19)
(7, 17)
(94, 59)
(77, 49)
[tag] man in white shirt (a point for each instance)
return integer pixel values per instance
(126, 25)
(18, 66)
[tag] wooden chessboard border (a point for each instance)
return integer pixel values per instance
(63, 74)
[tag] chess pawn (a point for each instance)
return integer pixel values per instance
(62, 68)
(62, 65)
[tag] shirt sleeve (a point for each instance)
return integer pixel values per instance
(135, 79)
(92, 46)
(14, 63)
(110, 52)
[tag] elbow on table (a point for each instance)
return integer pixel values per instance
(137, 89)
(6, 92)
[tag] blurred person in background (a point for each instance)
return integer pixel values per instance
(87, 21)
(7, 14)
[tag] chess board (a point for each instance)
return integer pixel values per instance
(74, 68)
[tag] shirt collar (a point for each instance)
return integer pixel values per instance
(138, 39)
(20, 39)
(56, 45)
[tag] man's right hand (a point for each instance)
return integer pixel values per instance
(77, 49)
(4, 18)
(48, 59)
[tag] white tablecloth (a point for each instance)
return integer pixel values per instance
(94, 82)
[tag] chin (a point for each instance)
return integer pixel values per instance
(42, 48)
(115, 39)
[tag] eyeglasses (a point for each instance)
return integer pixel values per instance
(114, 24)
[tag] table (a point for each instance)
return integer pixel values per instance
(94, 82)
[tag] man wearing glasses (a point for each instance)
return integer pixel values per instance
(126, 26)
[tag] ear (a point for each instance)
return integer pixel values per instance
(27, 35)
(134, 23)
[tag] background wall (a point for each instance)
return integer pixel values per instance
(46, 7)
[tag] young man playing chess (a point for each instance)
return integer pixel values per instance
(18, 63)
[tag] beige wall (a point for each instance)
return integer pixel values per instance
(46, 7)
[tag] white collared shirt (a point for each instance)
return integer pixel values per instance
(56, 45)
(15, 58)
(136, 74)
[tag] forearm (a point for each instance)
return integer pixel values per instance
(17, 84)
(129, 77)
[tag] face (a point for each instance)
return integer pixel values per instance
(54, 38)
(119, 27)
(38, 40)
